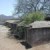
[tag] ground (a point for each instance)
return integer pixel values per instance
(12, 44)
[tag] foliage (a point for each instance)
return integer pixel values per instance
(34, 16)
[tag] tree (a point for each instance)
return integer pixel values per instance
(26, 6)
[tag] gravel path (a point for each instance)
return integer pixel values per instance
(12, 44)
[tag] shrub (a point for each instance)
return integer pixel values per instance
(34, 16)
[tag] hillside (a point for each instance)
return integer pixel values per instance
(4, 18)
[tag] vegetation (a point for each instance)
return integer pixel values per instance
(25, 20)
(26, 6)
(28, 12)
(31, 17)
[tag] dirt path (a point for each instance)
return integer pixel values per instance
(6, 43)
(12, 44)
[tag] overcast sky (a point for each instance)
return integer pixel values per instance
(6, 7)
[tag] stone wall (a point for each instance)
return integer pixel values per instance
(39, 34)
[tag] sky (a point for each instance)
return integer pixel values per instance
(6, 7)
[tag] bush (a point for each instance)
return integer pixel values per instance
(34, 16)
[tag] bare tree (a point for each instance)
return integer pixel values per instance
(25, 6)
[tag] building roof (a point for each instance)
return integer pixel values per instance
(40, 24)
